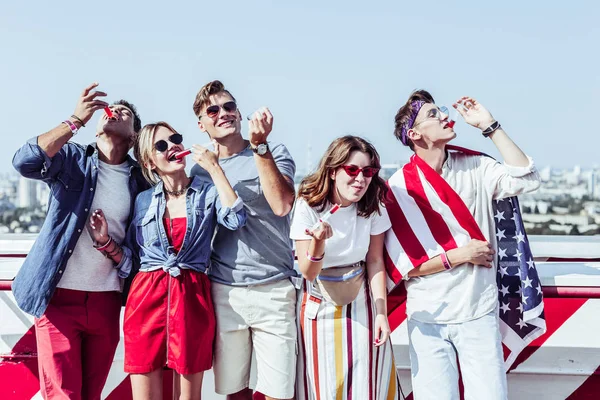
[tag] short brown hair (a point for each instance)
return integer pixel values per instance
(203, 96)
(317, 189)
(404, 113)
(144, 146)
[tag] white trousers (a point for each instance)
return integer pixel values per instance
(435, 348)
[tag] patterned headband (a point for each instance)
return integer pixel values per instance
(415, 107)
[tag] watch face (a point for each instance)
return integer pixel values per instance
(261, 149)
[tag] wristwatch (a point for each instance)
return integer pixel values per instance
(261, 149)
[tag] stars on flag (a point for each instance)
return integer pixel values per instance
(500, 234)
(499, 215)
(518, 254)
(501, 253)
(539, 289)
(520, 237)
(521, 324)
(519, 290)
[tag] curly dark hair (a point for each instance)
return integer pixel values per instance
(404, 112)
(137, 122)
(318, 188)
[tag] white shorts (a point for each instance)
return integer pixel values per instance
(255, 321)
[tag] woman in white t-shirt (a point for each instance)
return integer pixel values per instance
(342, 315)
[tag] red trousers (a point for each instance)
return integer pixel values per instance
(76, 341)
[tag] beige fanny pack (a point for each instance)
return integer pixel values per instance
(340, 285)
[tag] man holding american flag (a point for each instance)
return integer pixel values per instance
(447, 215)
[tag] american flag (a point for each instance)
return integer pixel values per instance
(519, 289)
(446, 223)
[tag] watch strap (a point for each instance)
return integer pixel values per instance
(491, 129)
(256, 149)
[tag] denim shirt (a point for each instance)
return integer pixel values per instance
(71, 175)
(147, 240)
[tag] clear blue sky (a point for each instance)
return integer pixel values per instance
(325, 68)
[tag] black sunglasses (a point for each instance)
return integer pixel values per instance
(162, 145)
(213, 111)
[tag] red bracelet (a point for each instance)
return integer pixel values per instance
(314, 259)
(105, 245)
(445, 261)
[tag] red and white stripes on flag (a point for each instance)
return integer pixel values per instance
(429, 217)
(426, 218)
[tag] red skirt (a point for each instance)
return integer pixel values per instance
(169, 321)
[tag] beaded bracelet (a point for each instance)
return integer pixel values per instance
(117, 250)
(445, 261)
(314, 259)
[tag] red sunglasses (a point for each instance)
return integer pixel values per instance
(353, 170)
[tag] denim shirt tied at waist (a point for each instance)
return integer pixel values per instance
(147, 244)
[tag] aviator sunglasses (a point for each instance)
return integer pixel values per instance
(353, 170)
(162, 145)
(213, 111)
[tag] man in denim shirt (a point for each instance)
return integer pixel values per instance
(72, 289)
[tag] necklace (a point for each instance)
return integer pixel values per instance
(177, 193)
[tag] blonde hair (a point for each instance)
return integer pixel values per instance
(144, 147)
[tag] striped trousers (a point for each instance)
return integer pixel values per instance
(337, 359)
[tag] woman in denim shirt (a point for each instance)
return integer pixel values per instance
(169, 317)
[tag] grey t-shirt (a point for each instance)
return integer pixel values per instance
(88, 269)
(260, 251)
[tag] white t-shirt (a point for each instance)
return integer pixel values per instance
(87, 269)
(467, 292)
(351, 233)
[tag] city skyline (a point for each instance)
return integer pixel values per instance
(568, 202)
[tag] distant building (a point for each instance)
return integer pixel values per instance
(542, 207)
(592, 183)
(387, 170)
(42, 193)
(546, 174)
(27, 193)
(558, 218)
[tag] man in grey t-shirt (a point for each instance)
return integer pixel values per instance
(250, 271)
